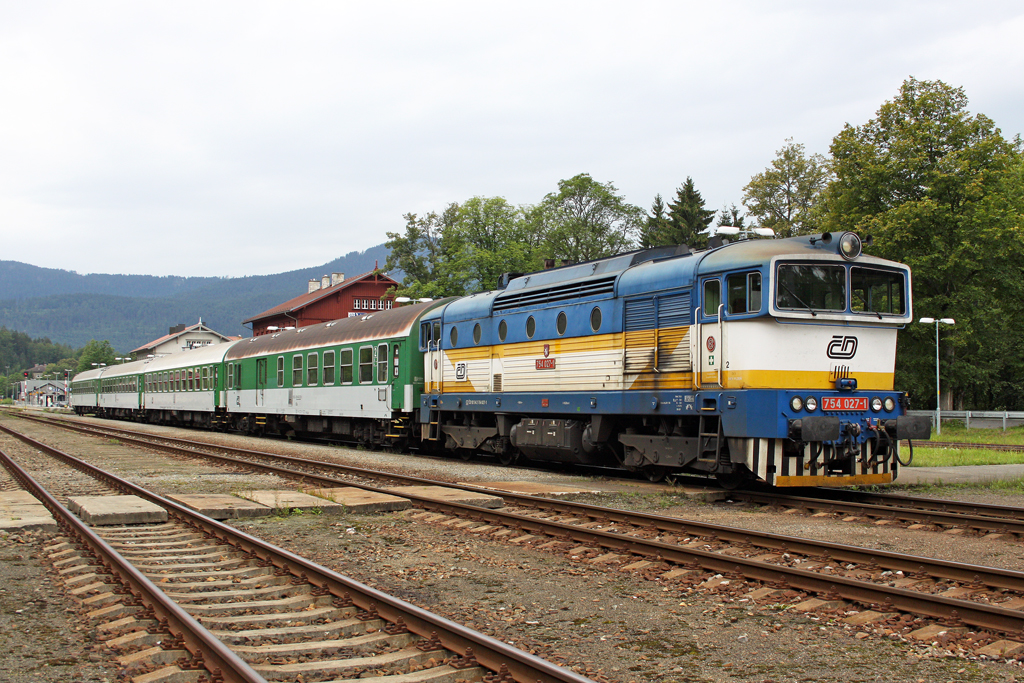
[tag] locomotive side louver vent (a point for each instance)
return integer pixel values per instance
(497, 382)
(549, 295)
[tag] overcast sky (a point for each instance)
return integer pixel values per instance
(243, 138)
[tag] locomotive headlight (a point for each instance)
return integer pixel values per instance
(890, 404)
(876, 404)
(849, 246)
(796, 403)
(811, 404)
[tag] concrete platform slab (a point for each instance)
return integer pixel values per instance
(221, 505)
(447, 495)
(358, 500)
(111, 510)
(22, 510)
(285, 499)
(531, 488)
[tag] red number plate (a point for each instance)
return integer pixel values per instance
(844, 403)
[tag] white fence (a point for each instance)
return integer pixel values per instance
(982, 418)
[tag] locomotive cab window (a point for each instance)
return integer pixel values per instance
(712, 298)
(811, 287)
(877, 291)
(744, 292)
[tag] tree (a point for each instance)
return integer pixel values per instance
(489, 237)
(941, 190)
(783, 196)
(586, 220)
(731, 216)
(656, 226)
(687, 217)
(95, 353)
(464, 249)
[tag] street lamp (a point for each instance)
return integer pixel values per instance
(938, 395)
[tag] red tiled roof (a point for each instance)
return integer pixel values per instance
(304, 300)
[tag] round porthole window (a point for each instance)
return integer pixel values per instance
(531, 327)
(477, 333)
(595, 319)
(455, 336)
(561, 323)
(502, 331)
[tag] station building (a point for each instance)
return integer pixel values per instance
(329, 298)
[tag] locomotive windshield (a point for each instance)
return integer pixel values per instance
(813, 288)
(877, 291)
(823, 288)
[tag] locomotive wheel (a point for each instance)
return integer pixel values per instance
(508, 457)
(466, 454)
(730, 481)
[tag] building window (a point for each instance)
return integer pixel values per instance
(355, 304)
(346, 366)
(328, 368)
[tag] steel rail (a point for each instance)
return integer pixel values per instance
(489, 652)
(927, 516)
(199, 642)
(898, 501)
(836, 552)
(868, 593)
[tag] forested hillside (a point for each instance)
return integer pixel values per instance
(130, 310)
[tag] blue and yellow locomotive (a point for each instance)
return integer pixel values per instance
(761, 359)
(767, 359)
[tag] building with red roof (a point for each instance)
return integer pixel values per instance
(329, 298)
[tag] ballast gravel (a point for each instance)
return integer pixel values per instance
(612, 625)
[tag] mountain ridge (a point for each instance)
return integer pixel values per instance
(132, 310)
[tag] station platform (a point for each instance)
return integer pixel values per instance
(20, 510)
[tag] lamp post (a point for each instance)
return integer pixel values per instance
(938, 395)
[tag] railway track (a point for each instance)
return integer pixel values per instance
(880, 583)
(191, 599)
(917, 512)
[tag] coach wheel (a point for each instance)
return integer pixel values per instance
(654, 473)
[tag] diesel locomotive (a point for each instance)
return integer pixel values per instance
(766, 359)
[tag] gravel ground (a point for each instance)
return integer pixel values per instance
(612, 625)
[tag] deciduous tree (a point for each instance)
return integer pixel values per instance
(784, 195)
(587, 220)
(940, 190)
